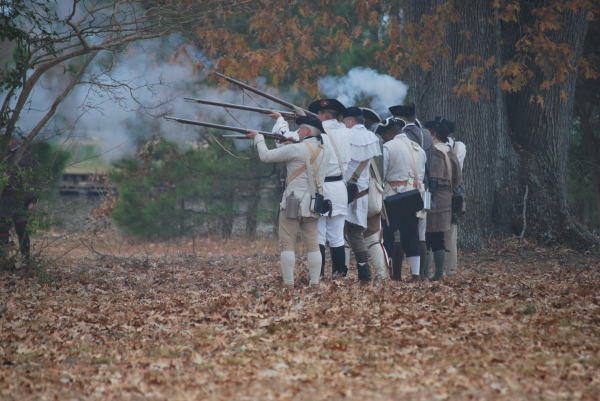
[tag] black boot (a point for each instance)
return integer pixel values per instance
(338, 261)
(397, 259)
(364, 271)
(322, 249)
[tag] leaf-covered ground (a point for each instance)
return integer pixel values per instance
(215, 324)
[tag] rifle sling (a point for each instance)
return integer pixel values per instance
(303, 168)
(358, 171)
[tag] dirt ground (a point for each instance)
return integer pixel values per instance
(208, 319)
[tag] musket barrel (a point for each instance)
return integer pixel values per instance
(240, 107)
(234, 137)
(211, 125)
(263, 94)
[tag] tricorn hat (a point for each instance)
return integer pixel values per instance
(387, 124)
(309, 120)
(370, 114)
(449, 124)
(402, 111)
(440, 129)
(352, 112)
(326, 104)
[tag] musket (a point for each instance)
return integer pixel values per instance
(267, 135)
(263, 94)
(284, 114)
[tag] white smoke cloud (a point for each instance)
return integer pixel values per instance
(114, 122)
(365, 87)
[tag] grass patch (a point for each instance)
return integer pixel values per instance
(24, 358)
(161, 352)
(234, 361)
(527, 309)
(276, 327)
(105, 360)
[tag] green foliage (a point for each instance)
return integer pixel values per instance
(51, 161)
(18, 18)
(168, 191)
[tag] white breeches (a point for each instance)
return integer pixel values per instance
(332, 230)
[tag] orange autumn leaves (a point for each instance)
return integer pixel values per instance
(210, 321)
(295, 43)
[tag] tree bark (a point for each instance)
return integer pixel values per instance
(592, 146)
(511, 142)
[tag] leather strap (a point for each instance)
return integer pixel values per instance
(412, 174)
(358, 171)
(362, 193)
(303, 168)
(337, 154)
(402, 183)
(315, 171)
(334, 178)
(376, 172)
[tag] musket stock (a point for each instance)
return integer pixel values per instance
(284, 114)
(268, 135)
(263, 94)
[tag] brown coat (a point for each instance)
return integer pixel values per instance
(439, 219)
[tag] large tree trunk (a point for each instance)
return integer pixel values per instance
(584, 112)
(512, 143)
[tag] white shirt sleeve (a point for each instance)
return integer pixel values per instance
(423, 160)
(461, 152)
(386, 158)
(267, 155)
(281, 126)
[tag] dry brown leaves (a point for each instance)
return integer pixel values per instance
(514, 325)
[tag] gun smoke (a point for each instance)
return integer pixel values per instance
(151, 79)
(365, 87)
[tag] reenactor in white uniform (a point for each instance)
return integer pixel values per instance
(331, 227)
(364, 146)
(417, 134)
(336, 138)
(373, 233)
(399, 154)
(307, 163)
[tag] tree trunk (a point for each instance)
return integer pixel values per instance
(593, 150)
(511, 142)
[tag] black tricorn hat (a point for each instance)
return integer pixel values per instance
(402, 111)
(449, 124)
(370, 114)
(310, 120)
(352, 112)
(387, 124)
(439, 128)
(326, 104)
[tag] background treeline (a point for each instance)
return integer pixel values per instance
(168, 190)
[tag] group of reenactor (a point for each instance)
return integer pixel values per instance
(339, 157)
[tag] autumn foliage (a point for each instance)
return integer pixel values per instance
(212, 322)
(296, 43)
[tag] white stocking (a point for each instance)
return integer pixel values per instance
(378, 256)
(414, 262)
(288, 260)
(314, 266)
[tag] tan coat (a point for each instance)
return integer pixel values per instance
(439, 218)
(294, 156)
